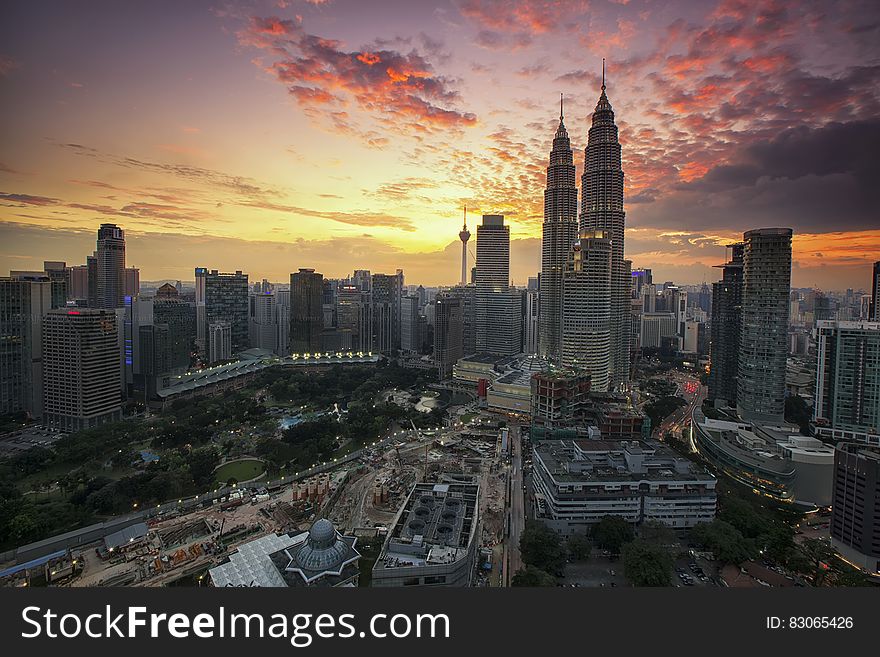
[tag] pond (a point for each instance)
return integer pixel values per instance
(289, 421)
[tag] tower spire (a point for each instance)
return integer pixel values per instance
(464, 235)
(603, 74)
(560, 107)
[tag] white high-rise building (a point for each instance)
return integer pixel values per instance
(586, 309)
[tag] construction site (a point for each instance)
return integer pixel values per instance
(362, 497)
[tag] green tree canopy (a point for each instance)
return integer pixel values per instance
(531, 576)
(612, 533)
(646, 563)
(542, 547)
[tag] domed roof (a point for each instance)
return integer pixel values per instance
(322, 534)
(324, 549)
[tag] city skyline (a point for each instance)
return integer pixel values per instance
(331, 130)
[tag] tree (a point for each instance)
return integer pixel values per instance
(726, 541)
(646, 563)
(542, 547)
(612, 533)
(852, 578)
(817, 555)
(531, 576)
(579, 547)
(201, 464)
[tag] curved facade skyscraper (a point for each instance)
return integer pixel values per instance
(560, 233)
(602, 211)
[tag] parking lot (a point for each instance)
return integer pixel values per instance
(596, 572)
(692, 571)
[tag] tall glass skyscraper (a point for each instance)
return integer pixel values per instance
(559, 234)
(306, 311)
(110, 261)
(498, 305)
(725, 329)
(848, 375)
(760, 394)
(222, 312)
(602, 211)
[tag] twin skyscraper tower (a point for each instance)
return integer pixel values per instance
(585, 288)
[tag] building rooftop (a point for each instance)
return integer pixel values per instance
(603, 461)
(436, 525)
(320, 556)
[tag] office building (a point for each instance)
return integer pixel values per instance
(306, 311)
(354, 315)
(92, 273)
(602, 210)
(410, 339)
(263, 320)
(82, 368)
(59, 276)
(531, 326)
(586, 309)
(78, 283)
(433, 540)
(658, 330)
(855, 510)
(640, 278)
(578, 482)
(725, 327)
(448, 325)
(132, 285)
(23, 303)
(560, 230)
(468, 295)
(848, 376)
(110, 267)
(498, 306)
(760, 394)
(221, 311)
(385, 298)
(875, 291)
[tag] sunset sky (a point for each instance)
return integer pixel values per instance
(342, 134)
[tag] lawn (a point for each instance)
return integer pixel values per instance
(239, 470)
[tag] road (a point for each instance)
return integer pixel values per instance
(516, 508)
(694, 394)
